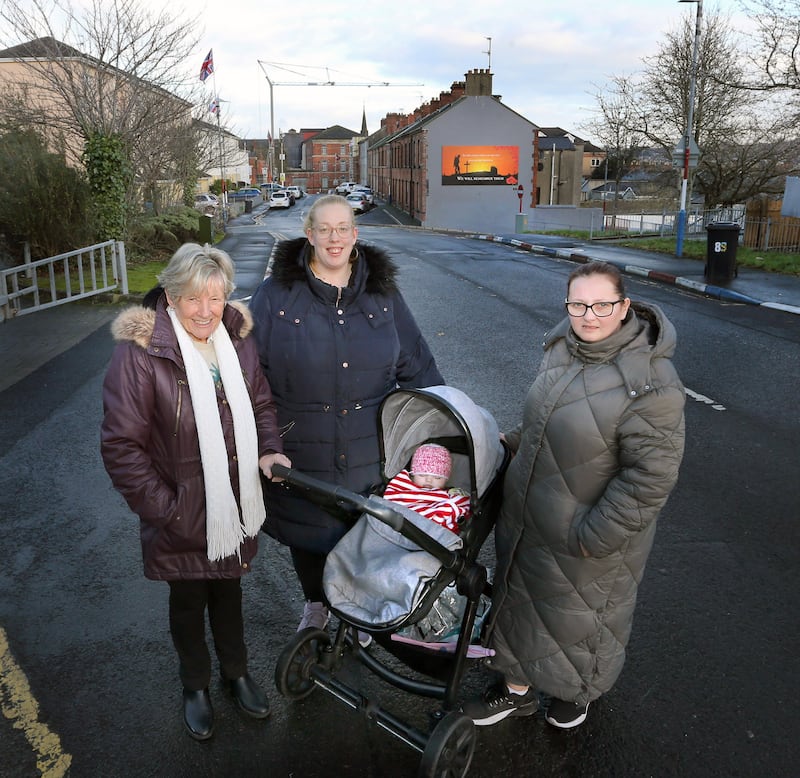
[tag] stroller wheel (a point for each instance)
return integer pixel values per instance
(293, 670)
(450, 747)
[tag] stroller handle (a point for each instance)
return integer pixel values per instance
(380, 509)
(322, 488)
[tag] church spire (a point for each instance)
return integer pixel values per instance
(364, 132)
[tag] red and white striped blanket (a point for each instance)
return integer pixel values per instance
(444, 506)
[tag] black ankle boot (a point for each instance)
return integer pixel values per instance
(249, 696)
(198, 715)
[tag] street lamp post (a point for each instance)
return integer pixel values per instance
(688, 134)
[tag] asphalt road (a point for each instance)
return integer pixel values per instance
(88, 682)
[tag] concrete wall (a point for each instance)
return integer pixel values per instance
(564, 217)
(478, 121)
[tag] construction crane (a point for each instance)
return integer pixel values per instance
(328, 82)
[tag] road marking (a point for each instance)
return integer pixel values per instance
(701, 398)
(20, 707)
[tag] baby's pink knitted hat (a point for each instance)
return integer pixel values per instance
(431, 459)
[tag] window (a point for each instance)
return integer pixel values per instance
(324, 167)
(324, 148)
(596, 162)
(344, 150)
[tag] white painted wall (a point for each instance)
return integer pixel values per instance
(477, 121)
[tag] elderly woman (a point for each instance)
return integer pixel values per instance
(596, 457)
(335, 336)
(189, 422)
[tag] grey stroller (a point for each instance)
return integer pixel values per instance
(393, 566)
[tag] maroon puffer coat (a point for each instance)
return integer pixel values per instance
(149, 440)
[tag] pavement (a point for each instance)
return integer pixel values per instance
(29, 342)
(748, 286)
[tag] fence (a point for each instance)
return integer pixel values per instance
(53, 281)
(773, 233)
(666, 222)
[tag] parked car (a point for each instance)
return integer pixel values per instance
(268, 189)
(280, 199)
(358, 202)
(367, 192)
(345, 187)
(206, 203)
(245, 193)
(296, 191)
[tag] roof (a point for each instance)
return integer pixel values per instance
(431, 117)
(336, 132)
(42, 48)
(48, 48)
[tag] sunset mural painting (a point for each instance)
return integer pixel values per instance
(471, 165)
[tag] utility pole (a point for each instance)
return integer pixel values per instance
(688, 137)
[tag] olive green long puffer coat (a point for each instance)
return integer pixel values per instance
(597, 454)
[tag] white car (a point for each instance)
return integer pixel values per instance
(280, 199)
(358, 202)
(367, 192)
(345, 187)
(206, 203)
(296, 191)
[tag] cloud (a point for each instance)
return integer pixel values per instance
(548, 57)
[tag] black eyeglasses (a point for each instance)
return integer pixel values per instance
(601, 310)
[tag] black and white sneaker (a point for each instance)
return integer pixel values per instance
(566, 715)
(498, 703)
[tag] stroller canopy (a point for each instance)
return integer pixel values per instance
(409, 417)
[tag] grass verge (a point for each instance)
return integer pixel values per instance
(142, 278)
(772, 261)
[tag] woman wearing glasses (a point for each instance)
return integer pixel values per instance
(596, 456)
(334, 337)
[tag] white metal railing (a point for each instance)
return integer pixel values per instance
(666, 222)
(53, 281)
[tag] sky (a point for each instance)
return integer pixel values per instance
(549, 57)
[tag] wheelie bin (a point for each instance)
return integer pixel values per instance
(723, 239)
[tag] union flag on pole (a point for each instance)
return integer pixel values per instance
(207, 67)
(214, 106)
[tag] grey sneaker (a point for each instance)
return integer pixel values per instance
(497, 703)
(364, 639)
(565, 715)
(315, 615)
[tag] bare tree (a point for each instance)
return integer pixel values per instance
(615, 126)
(776, 50)
(734, 127)
(114, 70)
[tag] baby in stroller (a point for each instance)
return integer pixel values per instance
(382, 582)
(423, 488)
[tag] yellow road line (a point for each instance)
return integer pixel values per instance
(19, 705)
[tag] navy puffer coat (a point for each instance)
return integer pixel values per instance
(330, 363)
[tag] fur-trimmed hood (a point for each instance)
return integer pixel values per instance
(290, 265)
(138, 323)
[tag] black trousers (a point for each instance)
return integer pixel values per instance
(309, 567)
(188, 601)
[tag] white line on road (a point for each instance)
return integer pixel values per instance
(701, 398)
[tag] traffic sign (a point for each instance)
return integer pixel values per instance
(678, 153)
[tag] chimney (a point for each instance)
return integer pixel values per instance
(458, 89)
(478, 83)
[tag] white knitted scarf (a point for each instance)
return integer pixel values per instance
(225, 530)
